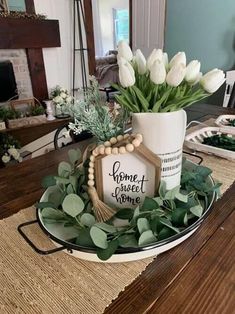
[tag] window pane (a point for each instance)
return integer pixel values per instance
(16, 5)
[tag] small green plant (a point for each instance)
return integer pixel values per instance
(221, 141)
(36, 111)
(94, 115)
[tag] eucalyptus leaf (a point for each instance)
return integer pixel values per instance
(41, 205)
(87, 219)
(74, 155)
(70, 189)
(165, 233)
(147, 237)
(149, 204)
(181, 197)
(48, 181)
(168, 224)
(178, 216)
(170, 195)
(143, 225)
(197, 210)
(64, 169)
(51, 213)
(73, 205)
(84, 238)
(158, 200)
(61, 180)
(106, 227)
(105, 254)
(162, 189)
(56, 197)
(125, 213)
(99, 237)
(128, 240)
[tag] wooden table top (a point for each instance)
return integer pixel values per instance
(198, 276)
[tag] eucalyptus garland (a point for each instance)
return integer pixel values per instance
(158, 218)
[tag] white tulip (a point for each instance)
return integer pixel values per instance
(158, 72)
(192, 71)
(63, 95)
(140, 61)
(212, 80)
(197, 80)
(6, 158)
(156, 54)
(176, 75)
(165, 59)
(126, 74)
(180, 57)
(124, 51)
(13, 152)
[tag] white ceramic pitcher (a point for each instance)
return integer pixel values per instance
(163, 133)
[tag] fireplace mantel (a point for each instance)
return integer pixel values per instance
(25, 33)
(32, 35)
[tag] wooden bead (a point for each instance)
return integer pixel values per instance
(92, 158)
(120, 138)
(139, 137)
(91, 176)
(91, 164)
(91, 182)
(122, 150)
(101, 150)
(113, 140)
(136, 142)
(115, 151)
(126, 136)
(91, 170)
(107, 144)
(130, 148)
(95, 153)
(108, 150)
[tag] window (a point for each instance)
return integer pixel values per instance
(121, 25)
(16, 5)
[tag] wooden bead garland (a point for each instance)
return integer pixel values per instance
(107, 149)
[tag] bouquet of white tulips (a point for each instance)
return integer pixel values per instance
(156, 85)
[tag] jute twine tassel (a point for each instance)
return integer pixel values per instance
(102, 211)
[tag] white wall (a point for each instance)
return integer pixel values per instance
(106, 20)
(58, 61)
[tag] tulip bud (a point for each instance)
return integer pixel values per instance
(199, 76)
(156, 54)
(180, 57)
(192, 71)
(212, 80)
(165, 60)
(176, 75)
(126, 74)
(140, 61)
(124, 50)
(158, 72)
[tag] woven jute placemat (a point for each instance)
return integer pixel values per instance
(59, 283)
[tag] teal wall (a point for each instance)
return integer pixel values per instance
(204, 29)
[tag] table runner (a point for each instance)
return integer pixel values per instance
(60, 283)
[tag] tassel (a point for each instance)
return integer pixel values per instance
(102, 211)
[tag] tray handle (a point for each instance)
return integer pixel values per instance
(33, 246)
(196, 156)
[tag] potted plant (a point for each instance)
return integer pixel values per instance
(62, 100)
(34, 115)
(155, 92)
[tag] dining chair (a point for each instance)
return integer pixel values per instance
(64, 136)
(230, 79)
(231, 102)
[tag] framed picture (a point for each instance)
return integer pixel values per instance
(124, 180)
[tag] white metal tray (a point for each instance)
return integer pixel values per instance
(222, 121)
(194, 141)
